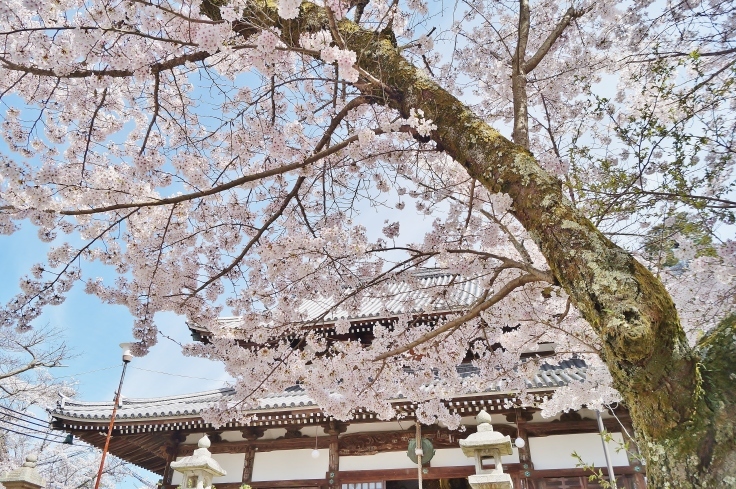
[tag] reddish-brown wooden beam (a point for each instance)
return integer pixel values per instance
(569, 427)
(579, 472)
(352, 476)
(124, 449)
(219, 485)
(301, 483)
(261, 445)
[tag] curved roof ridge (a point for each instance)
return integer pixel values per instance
(128, 401)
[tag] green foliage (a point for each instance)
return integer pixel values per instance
(661, 241)
(597, 474)
(670, 154)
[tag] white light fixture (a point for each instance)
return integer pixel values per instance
(127, 355)
(519, 442)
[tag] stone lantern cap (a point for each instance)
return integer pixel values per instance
(486, 441)
(200, 460)
(24, 477)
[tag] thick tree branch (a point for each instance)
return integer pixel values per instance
(564, 22)
(154, 68)
(214, 190)
(518, 79)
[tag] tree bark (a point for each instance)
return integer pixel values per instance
(681, 399)
(518, 79)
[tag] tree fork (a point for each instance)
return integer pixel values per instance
(644, 346)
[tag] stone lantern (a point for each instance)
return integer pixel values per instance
(483, 444)
(24, 477)
(200, 468)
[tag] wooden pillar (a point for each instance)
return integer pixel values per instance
(251, 434)
(172, 451)
(334, 465)
(333, 429)
(521, 417)
(250, 456)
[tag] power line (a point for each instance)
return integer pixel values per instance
(44, 432)
(26, 418)
(19, 413)
(140, 479)
(85, 450)
(177, 375)
(33, 436)
(88, 372)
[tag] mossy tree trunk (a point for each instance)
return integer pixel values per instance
(682, 400)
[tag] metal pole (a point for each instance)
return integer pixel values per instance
(419, 452)
(112, 423)
(611, 476)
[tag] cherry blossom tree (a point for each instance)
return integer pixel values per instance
(63, 466)
(26, 359)
(27, 388)
(226, 158)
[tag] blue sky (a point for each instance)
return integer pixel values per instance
(94, 330)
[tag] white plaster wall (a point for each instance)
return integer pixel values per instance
(290, 465)
(176, 477)
(554, 452)
(273, 433)
(232, 436)
(385, 460)
(233, 463)
(454, 457)
(193, 438)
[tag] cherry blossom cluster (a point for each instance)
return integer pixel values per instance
(289, 9)
(345, 60)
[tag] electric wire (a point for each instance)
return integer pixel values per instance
(45, 432)
(177, 375)
(140, 479)
(33, 436)
(26, 418)
(85, 373)
(85, 450)
(19, 413)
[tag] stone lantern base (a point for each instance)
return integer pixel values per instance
(25, 476)
(490, 481)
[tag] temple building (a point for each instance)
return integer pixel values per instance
(291, 443)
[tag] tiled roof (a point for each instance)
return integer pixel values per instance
(187, 405)
(436, 291)
(192, 405)
(425, 297)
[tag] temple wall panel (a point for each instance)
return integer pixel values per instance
(234, 436)
(555, 451)
(378, 461)
(285, 465)
(273, 433)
